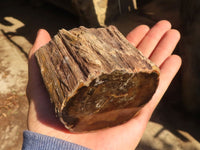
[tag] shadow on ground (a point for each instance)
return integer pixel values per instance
(46, 16)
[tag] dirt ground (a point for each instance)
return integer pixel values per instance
(170, 128)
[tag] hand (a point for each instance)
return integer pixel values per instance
(156, 43)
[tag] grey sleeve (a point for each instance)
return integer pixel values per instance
(36, 141)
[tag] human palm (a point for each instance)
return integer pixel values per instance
(156, 43)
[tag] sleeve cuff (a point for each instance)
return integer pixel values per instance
(36, 141)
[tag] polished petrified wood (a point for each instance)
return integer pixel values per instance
(95, 77)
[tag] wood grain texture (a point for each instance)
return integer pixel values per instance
(95, 77)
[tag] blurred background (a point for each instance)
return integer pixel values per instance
(175, 123)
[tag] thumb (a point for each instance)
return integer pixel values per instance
(42, 38)
(34, 77)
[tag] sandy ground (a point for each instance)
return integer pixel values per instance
(170, 127)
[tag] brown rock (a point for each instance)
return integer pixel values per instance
(190, 19)
(95, 77)
(94, 13)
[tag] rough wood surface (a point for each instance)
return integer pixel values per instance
(95, 77)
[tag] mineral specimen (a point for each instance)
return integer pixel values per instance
(95, 77)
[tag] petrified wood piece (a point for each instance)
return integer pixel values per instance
(95, 77)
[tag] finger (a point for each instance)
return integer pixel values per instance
(152, 38)
(42, 38)
(137, 34)
(165, 47)
(168, 70)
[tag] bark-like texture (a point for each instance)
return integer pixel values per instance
(95, 77)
